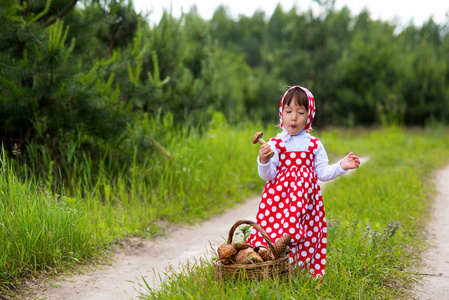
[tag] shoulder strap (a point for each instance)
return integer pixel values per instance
(313, 144)
(279, 144)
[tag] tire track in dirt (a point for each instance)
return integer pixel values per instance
(148, 259)
(435, 282)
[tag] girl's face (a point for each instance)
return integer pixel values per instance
(294, 118)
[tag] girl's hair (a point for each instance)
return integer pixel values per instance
(299, 96)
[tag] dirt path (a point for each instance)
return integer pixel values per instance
(435, 284)
(123, 278)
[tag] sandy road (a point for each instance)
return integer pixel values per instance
(123, 279)
(435, 283)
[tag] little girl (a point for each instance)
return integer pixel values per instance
(291, 201)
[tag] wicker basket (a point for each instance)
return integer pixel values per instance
(279, 267)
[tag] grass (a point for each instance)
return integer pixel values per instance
(375, 220)
(375, 215)
(193, 177)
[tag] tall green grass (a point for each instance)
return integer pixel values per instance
(193, 176)
(375, 218)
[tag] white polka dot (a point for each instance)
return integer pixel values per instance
(308, 162)
(290, 259)
(258, 243)
(292, 219)
(273, 235)
(268, 230)
(325, 229)
(262, 205)
(281, 231)
(317, 256)
(286, 225)
(271, 220)
(274, 208)
(311, 156)
(281, 205)
(282, 156)
(278, 215)
(277, 198)
(307, 244)
(291, 230)
(323, 261)
(297, 236)
(324, 241)
(323, 251)
(267, 212)
(314, 240)
(293, 208)
(271, 191)
(279, 188)
(311, 250)
(315, 229)
(298, 161)
(269, 201)
(264, 195)
(286, 184)
(260, 216)
(264, 223)
(276, 226)
(292, 155)
(303, 155)
(303, 253)
(311, 223)
(282, 144)
(284, 194)
(309, 233)
(317, 267)
(288, 162)
(317, 218)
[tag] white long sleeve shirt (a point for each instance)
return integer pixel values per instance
(300, 142)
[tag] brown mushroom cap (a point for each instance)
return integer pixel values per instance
(247, 256)
(241, 246)
(257, 136)
(264, 252)
(226, 253)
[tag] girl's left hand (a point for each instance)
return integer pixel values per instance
(350, 161)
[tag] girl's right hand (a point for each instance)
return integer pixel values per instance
(264, 152)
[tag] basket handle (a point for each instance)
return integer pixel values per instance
(260, 229)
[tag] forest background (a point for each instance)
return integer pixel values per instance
(92, 97)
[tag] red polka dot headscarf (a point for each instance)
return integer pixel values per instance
(310, 112)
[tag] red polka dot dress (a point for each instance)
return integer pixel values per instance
(292, 203)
